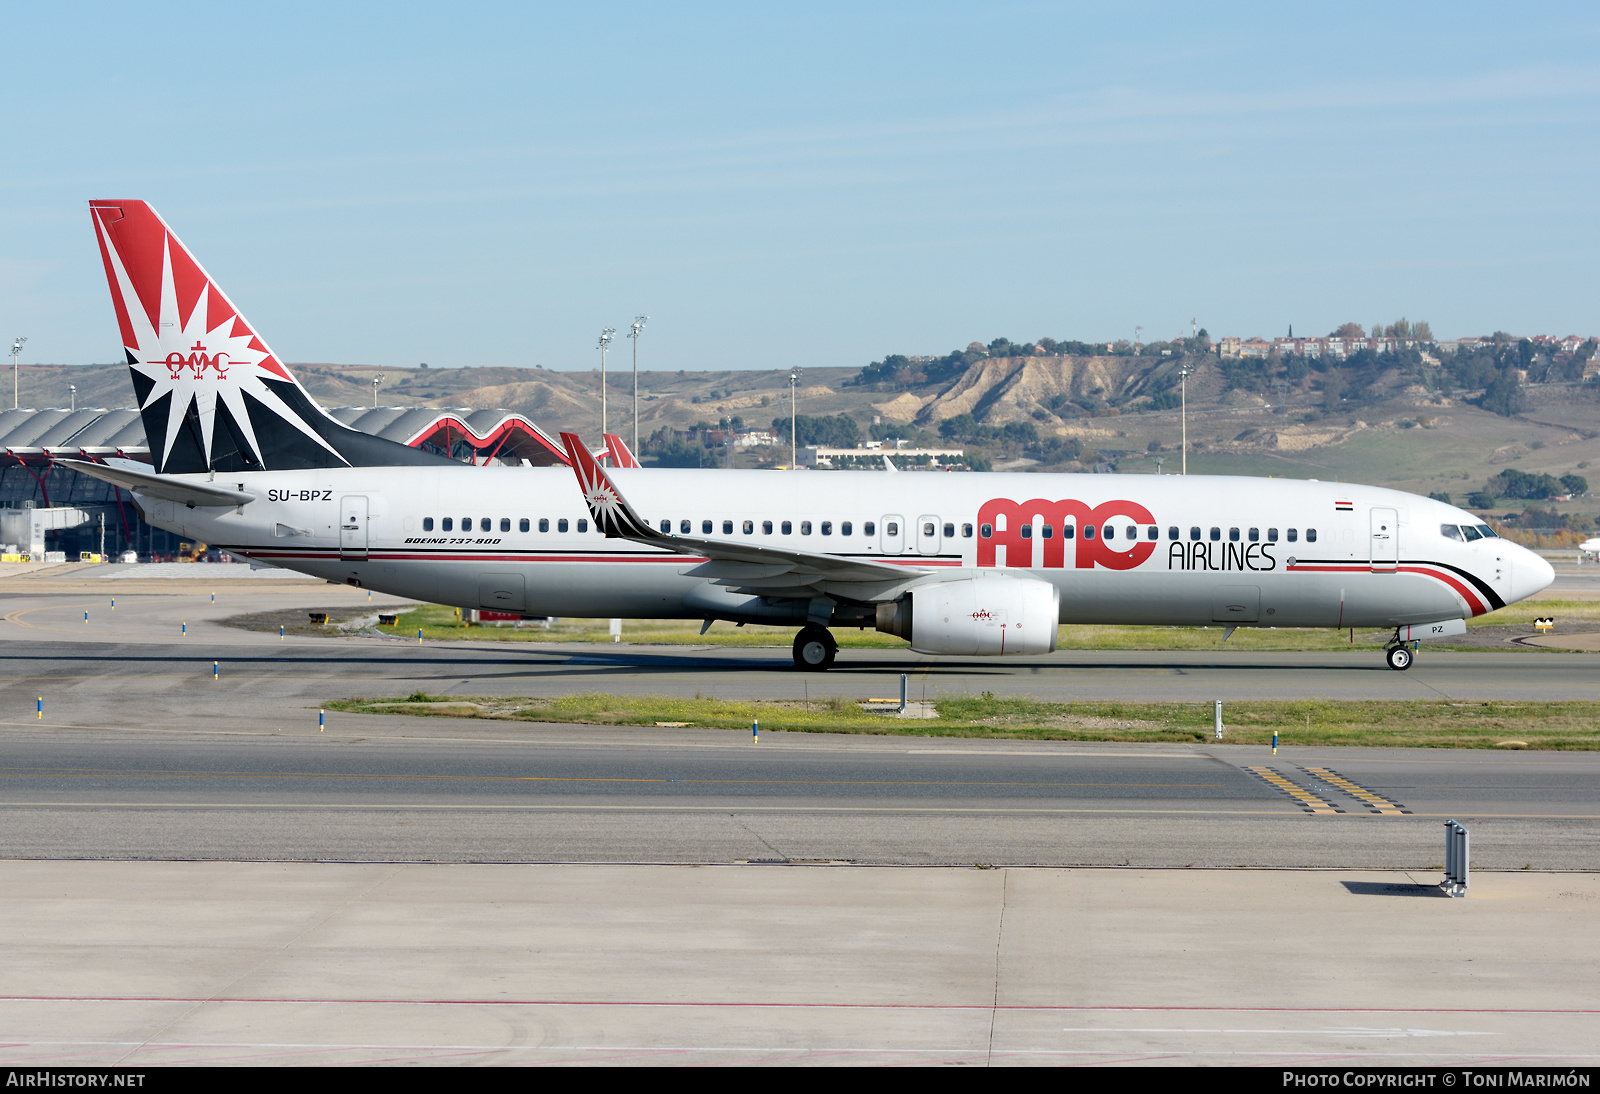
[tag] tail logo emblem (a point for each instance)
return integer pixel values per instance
(197, 362)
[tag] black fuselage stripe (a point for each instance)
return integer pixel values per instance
(1477, 582)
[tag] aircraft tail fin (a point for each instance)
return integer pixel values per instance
(213, 395)
(620, 456)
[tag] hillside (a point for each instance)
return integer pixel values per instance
(1396, 433)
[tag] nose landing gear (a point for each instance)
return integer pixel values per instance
(1399, 657)
(814, 648)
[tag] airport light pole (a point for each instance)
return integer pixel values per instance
(1183, 413)
(16, 352)
(605, 340)
(794, 457)
(376, 380)
(633, 332)
(74, 389)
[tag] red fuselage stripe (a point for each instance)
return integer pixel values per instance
(1474, 601)
(389, 556)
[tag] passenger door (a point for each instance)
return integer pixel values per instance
(1385, 540)
(353, 527)
(928, 538)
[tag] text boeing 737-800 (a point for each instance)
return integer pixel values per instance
(967, 564)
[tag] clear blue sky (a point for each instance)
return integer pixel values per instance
(814, 184)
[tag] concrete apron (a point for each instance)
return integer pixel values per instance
(161, 963)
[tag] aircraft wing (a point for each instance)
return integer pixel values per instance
(752, 567)
(167, 487)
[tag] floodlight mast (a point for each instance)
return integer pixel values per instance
(74, 389)
(605, 340)
(376, 380)
(16, 387)
(794, 457)
(633, 332)
(1183, 414)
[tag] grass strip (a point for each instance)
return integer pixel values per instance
(1412, 724)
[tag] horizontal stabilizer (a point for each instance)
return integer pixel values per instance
(168, 487)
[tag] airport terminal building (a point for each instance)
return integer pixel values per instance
(46, 507)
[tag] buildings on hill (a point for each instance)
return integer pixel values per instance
(1231, 347)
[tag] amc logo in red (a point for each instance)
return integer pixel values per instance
(1084, 525)
(197, 362)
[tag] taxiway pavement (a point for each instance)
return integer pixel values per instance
(148, 964)
(450, 790)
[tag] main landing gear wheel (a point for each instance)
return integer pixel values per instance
(1399, 657)
(814, 648)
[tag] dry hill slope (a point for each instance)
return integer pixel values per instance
(1409, 438)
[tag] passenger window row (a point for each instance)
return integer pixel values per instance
(1151, 532)
(1070, 531)
(1252, 534)
(487, 524)
(707, 527)
(1465, 533)
(826, 527)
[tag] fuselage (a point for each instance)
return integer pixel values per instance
(1168, 550)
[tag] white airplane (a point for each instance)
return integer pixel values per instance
(1590, 547)
(963, 564)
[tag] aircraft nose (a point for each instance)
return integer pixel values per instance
(1531, 573)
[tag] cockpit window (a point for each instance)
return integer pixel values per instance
(1470, 532)
(1450, 531)
(1486, 532)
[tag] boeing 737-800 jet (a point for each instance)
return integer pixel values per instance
(966, 564)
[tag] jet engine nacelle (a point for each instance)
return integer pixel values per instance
(988, 616)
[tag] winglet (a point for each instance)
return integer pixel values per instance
(613, 516)
(620, 456)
